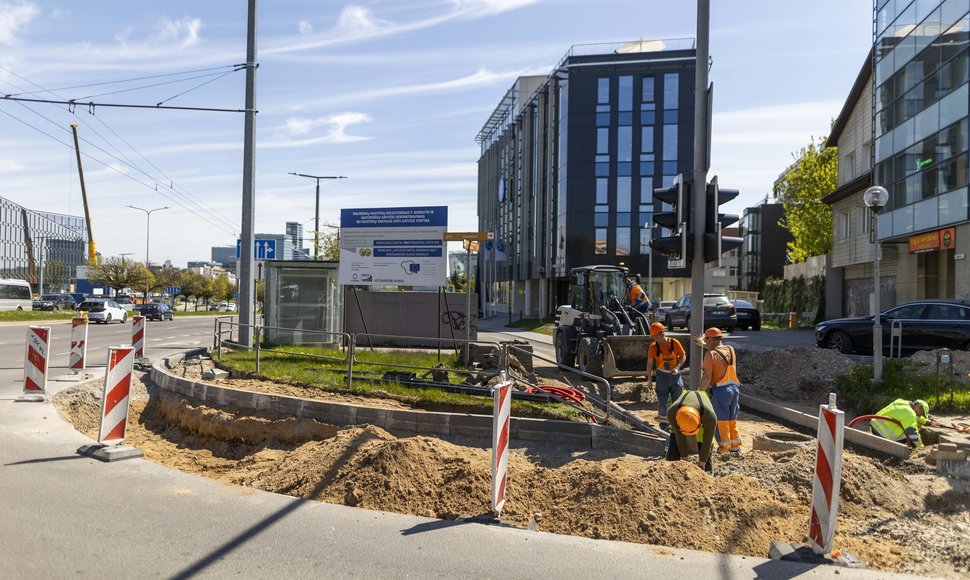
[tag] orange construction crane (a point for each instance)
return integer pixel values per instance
(92, 256)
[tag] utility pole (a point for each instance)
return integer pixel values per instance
(247, 286)
(701, 164)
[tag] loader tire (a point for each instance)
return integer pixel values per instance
(563, 356)
(589, 357)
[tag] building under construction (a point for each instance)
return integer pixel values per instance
(41, 247)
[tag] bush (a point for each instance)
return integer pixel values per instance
(900, 380)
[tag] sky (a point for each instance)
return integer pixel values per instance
(389, 93)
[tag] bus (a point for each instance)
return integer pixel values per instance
(15, 295)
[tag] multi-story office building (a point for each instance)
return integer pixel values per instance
(225, 256)
(764, 247)
(41, 247)
(294, 231)
(569, 162)
(920, 134)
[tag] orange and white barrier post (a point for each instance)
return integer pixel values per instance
(138, 335)
(79, 342)
(502, 405)
(35, 360)
(117, 388)
(828, 477)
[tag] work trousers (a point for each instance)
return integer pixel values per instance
(726, 400)
(668, 387)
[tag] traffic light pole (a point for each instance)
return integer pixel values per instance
(701, 164)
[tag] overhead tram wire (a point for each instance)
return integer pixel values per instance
(235, 67)
(200, 207)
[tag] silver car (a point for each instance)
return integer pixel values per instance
(104, 311)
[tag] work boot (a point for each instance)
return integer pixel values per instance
(736, 452)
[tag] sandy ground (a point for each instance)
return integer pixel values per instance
(897, 516)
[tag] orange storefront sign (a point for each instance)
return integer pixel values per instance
(944, 239)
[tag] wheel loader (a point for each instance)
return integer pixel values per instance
(597, 332)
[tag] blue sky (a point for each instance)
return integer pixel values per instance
(389, 93)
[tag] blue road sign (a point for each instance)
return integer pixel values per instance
(173, 290)
(262, 249)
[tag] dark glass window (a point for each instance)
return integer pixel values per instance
(603, 90)
(648, 88)
(625, 96)
(602, 193)
(671, 90)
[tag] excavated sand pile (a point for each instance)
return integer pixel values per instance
(894, 521)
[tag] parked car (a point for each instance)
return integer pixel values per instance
(748, 315)
(54, 302)
(156, 311)
(104, 311)
(229, 306)
(922, 325)
(662, 307)
(718, 311)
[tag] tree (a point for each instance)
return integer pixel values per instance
(330, 243)
(118, 273)
(801, 189)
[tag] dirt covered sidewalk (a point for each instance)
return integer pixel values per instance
(913, 522)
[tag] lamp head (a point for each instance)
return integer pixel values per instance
(876, 197)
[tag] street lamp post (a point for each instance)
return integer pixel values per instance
(316, 223)
(148, 225)
(649, 226)
(875, 199)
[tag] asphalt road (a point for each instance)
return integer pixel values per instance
(70, 516)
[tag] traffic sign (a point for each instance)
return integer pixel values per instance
(477, 236)
(173, 290)
(262, 249)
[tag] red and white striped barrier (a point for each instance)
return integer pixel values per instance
(35, 360)
(828, 477)
(502, 406)
(138, 335)
(117, 387)
(79, 342)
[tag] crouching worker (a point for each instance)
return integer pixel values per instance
(911, 416)
(692, 415)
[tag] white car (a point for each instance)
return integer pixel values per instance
(104, 311)
(228, 307)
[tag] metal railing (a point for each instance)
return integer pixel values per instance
(608, 388)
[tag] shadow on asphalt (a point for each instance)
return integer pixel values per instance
(44, 460)
(430, 527)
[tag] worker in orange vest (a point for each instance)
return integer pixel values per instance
(668, 355)
(637, 297)
(719, 377)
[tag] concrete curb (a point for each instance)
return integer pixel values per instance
(408, 421)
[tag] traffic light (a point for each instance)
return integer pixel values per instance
(715, 245)
(678, 246)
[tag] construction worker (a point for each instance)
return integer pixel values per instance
(719, 377)
(911, 416)
(668, 355)
(637, 297)
(692, 415)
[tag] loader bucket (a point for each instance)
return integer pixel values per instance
(625, 356)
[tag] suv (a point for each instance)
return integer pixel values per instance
(125, 302)
(54, 302)
(718, 311)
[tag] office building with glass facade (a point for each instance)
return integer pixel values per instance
(568, 166)
(41, 247)
(920, 111)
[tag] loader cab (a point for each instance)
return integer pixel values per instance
(593, 287)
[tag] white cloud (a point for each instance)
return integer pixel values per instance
(12, 18)
(183, 33)
(335, 125)
(357, 20)
(489, 7)
(304, 27)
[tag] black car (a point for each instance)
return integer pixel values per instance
(748, 315)
(909, 327)
(55, 302)
(156, 311)
(718, 311)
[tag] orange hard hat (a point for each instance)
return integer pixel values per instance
(713, 332)
(656, 328)
(688, 420)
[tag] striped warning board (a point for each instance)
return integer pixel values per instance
(828, 477)
(502, 403)
(35, 360)
(117, 388)
(79, 342)
(138, 335)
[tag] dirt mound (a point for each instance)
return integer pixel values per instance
(796, 372)
(894, 521)
(926, 361)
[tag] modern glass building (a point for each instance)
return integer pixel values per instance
(43, 248)
(920, 114)
(569, 162)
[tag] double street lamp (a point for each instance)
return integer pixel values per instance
(875, 199)
(148, 225)
(316, 223)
